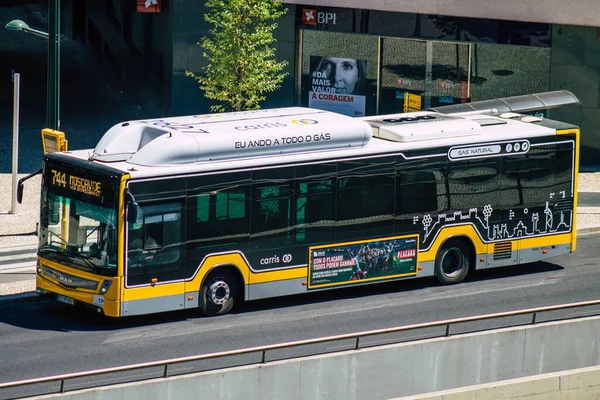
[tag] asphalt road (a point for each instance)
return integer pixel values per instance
(47, 338)
(588, 199)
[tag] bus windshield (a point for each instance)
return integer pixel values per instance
(78, 233)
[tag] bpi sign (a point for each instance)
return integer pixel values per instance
(312, 17)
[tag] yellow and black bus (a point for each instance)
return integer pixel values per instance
(206, 210)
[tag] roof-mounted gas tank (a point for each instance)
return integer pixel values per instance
(199, 138)
(424, 125)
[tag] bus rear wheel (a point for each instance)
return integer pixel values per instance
(452, 262)
(218, 293)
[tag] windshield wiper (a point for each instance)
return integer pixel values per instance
(87, 260)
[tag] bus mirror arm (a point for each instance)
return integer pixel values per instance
(20, 185)
(132, 207)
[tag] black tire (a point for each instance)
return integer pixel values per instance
(452, 262)
(218, 293)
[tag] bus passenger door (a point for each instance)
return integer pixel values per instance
(155, 263)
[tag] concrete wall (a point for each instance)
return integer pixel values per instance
(579, 384)
(388, 371)
(576, 12)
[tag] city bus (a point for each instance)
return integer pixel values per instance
(206, 211)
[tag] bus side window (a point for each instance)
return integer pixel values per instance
(271, 216)
(271, 213)
(365, 198)
(153, 232)
(564, 171)
(203, 208)
(533, 175)
(155, 245)
(417, 192)
(315, 203)
(474, 183)
(218, 216)
(315, 212)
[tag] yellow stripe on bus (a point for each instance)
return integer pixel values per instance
(577, 134)
(121, 226)
(450, 232)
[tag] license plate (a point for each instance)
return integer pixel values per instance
(98, 300)
(65, 299)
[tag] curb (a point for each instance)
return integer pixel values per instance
(24, 248)
(588, 230)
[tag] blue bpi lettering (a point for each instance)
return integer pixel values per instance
(325, 17)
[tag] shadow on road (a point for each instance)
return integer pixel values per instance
(53, 316)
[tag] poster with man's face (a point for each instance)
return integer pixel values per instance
(338, 85)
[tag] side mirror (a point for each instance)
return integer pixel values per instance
(132, 212)
(20, 192)
(132, 207)
(20, 185)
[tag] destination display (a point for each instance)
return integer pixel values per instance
(349, 263)
(76, 183)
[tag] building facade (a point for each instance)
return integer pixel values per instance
(362, 61)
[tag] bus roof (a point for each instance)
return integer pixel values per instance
(212, 142)
(211, 137)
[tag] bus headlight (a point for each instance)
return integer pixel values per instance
(39, 267)
(105, 285)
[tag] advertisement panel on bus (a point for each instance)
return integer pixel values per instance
(348, 263)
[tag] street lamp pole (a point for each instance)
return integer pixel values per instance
(53, 72)
(53, 78)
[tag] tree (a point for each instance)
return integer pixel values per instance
(241, 62)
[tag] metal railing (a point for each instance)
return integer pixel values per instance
(165, 364)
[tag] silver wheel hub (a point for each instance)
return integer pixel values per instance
(453, 261)
(218, 292)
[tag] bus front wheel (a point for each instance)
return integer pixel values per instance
(218, 293)
(452, 262)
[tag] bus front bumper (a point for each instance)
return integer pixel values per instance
(92, 301)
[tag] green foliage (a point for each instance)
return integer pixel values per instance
(241, 63)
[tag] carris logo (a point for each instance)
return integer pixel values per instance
(286, 258)
(304, 121)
